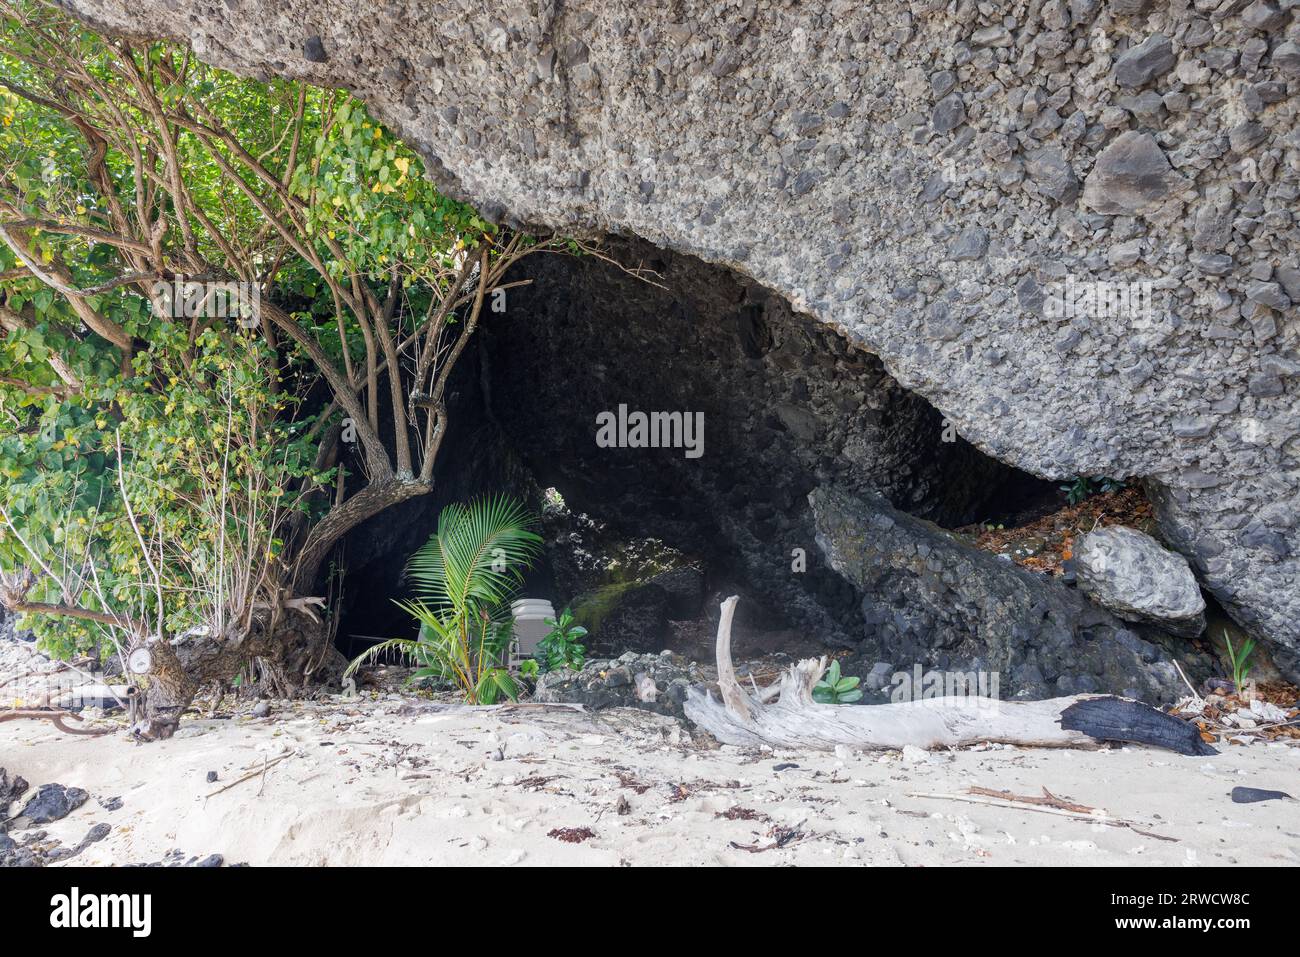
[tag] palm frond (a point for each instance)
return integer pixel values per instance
(478, 555)
(407, 645)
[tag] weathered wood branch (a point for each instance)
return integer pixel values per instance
(74, 611)
(794, 720)
(58, 718)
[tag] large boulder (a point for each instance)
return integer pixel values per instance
(1133, 575)
(838, 154)
(932, 600)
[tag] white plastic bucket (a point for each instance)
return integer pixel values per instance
(530, 616)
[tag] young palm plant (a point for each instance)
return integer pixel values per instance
(464, 578)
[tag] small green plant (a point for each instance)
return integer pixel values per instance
(528, 668)
(834, 689)
(1084, 487)
(1240, 660)
(562, 648)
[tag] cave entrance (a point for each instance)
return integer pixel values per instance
(683, 439)
(670, 432)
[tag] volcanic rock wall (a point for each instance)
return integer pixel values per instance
(927, 177)
(784, 405)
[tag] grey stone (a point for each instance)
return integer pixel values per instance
(1125, 254)
(1132, 175)
(994, 36)
(971, 243)
(96, 833)
(1177, 102)
(1269, 294)
(1082, 12)
(1289, 277)
(1246, 136)
(878, 678)
(1212, 226)
(1212, 264)
(1030, 295)
(1148, 106)
(1137, 578)
(948, 113)
(1286, 57)
(1139, 65)
(1049, 170)
(1263, 15)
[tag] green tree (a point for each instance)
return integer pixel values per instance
(164, 475)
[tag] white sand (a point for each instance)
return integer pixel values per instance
(366, 785)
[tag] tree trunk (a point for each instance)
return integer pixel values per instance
(302, 656)
(342, 518)
(157, 712)
(294, 655)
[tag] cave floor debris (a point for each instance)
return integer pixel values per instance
(1044, 543)
(387, 778)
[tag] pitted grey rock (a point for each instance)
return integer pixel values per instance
(1133, 575)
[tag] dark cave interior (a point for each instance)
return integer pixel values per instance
(787, 405)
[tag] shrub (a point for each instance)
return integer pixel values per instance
(561, 647)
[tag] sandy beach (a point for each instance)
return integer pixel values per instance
(390, 779)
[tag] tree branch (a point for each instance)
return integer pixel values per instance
(74, 611)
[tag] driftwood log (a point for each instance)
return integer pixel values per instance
(786, 716)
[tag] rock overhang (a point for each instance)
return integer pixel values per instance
(918, 178)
